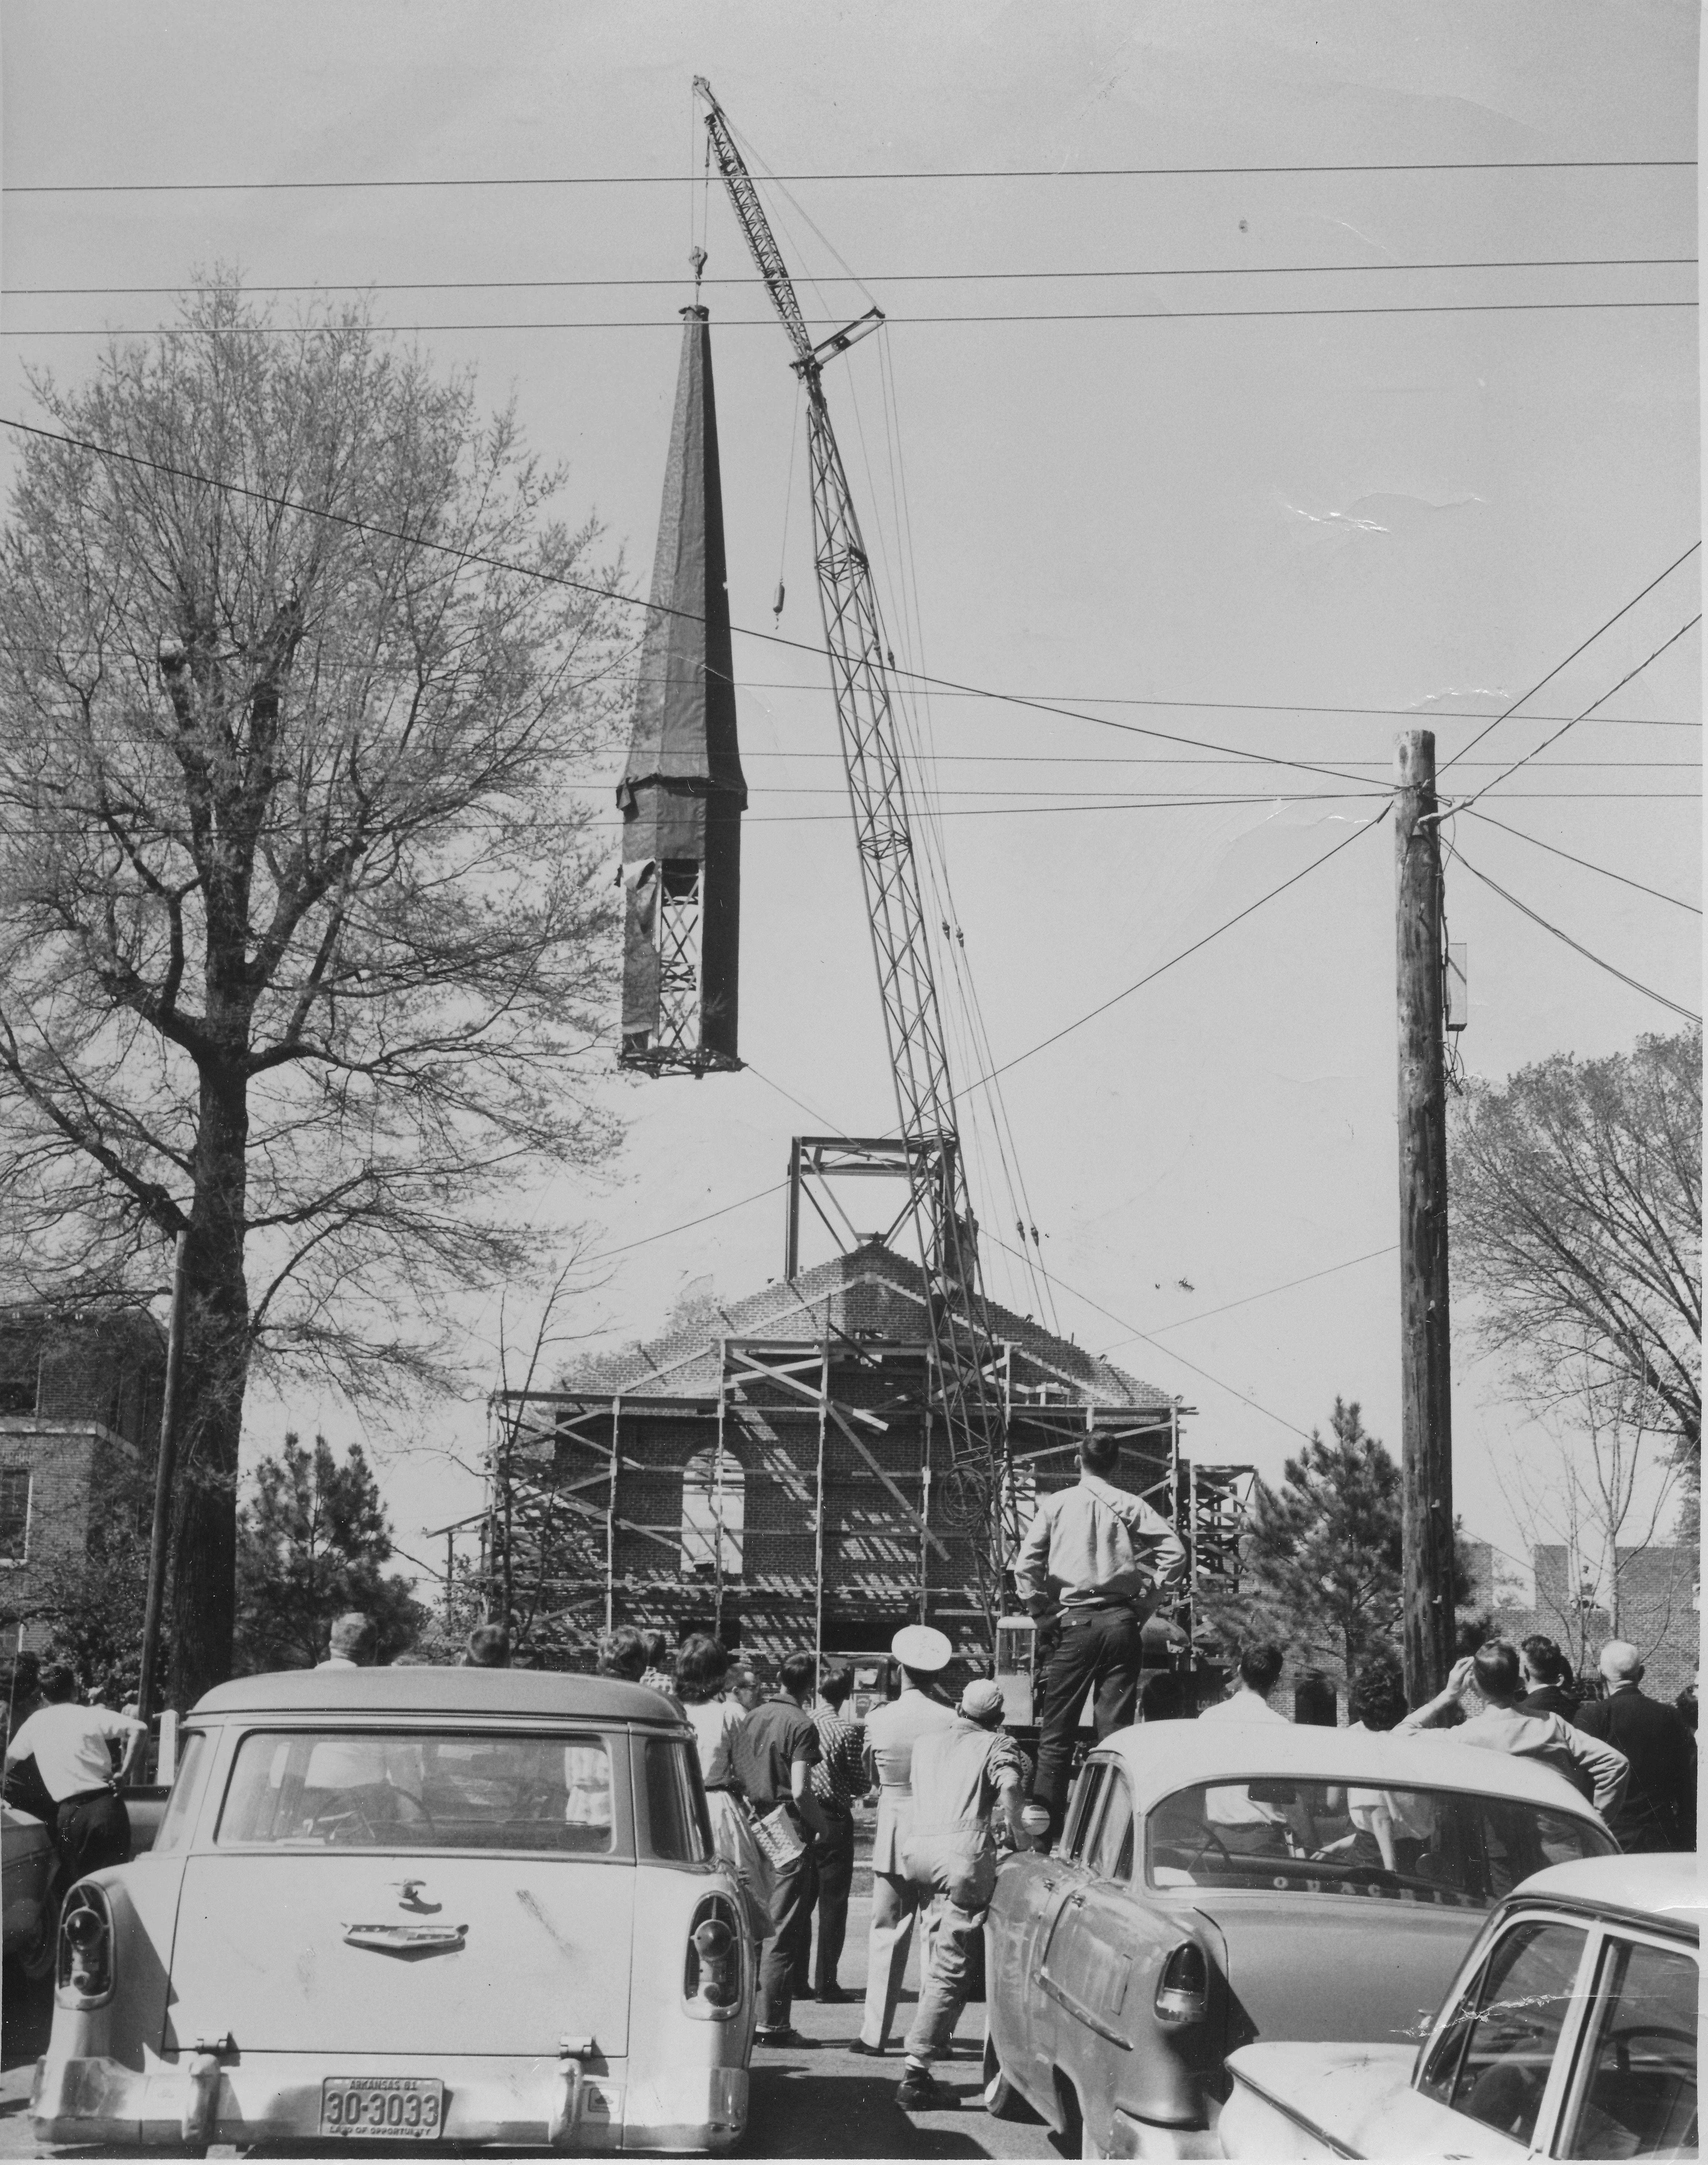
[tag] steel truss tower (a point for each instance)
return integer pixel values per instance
(962, 1356)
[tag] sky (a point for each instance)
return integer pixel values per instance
(1274, 472)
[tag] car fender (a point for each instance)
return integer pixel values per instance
(143, 1898)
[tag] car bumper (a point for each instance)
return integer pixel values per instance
(1129, 2137)
(276, 2097)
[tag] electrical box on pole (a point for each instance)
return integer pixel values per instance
(1426, 1365)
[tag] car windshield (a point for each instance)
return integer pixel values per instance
(356, 1788)
(1446, 1848)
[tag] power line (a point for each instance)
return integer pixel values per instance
(889, 278)
(974, 173)
(1536, 918)
(1167, 1351)
(1245, 707)
(1495, 723)
(1152, 976)
(1269, 1292)
(647, 1239)
(351, 523)
(1588, 711)
(1553, 851)
(1159, 315)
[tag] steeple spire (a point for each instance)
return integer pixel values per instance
(682, 793)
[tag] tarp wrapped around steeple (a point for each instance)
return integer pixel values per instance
(682, 793)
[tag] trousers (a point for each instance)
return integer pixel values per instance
(1096, 1649)
(943, 1993)
(896, 1903)
(91, 1831)
(836, 1861)
(794, 1888)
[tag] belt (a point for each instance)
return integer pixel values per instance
(719, 1789)
(87, 1796)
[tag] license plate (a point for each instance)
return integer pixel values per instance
(387, 2108)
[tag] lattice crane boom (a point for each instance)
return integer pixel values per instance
(925, 1105)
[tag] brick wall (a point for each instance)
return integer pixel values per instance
(72, 1467)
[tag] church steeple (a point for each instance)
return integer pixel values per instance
(682, 793)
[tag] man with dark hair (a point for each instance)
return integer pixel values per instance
(1096, 1561)
(1547, 1674)
(623, 1653)
(1377, 1699)
(488, 1647)
(1494, 1670)
(1658, 1809)
(656, 1676)
(352, 1641)
(1257, 1671)
(90, 1826)
(837, 1781)
(773, 1755)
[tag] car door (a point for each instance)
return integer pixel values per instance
(1494, 2073)
(1056, 1880)
(1633, 2090)
(1088, 1957)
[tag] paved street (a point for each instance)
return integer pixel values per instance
(812, 2103)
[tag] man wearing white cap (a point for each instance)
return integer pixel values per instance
(963, 1776)
(891, 1733)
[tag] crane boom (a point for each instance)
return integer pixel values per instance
(959, 1332)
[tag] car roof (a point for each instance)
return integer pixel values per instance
(536, 1694)
(1162, 1757)
(1664, 1886)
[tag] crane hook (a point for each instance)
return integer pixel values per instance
(697, 256)
(777, 604)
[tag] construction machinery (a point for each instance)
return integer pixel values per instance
(963, 1359)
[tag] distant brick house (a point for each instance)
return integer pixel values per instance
(1658, 1611)
(80, 1408)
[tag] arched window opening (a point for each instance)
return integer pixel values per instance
(714, 1504)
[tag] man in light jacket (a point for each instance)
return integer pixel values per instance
(1095, 1562)
(1595, 1769)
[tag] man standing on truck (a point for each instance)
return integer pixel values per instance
(1096, 1561)
(90, 1826)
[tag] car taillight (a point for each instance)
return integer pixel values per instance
(711, 1969)
(85, 1976)
(1183, 1989)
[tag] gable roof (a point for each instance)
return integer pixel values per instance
(873, 1290)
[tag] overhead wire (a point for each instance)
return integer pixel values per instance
(835, 319)
(1582, 647)
(914, 173)
(1528, 756)
(888, 278)
(1578, 947)
(1268, 1293)
(1169, 1353)
(1606, 870)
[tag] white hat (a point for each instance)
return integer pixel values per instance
(919, 1646)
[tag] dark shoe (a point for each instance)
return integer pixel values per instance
(832, 1995)
(779, 2037)
(865, 2050)
(919, 2091)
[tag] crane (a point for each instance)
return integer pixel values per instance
(959, 1337)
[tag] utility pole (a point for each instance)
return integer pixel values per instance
(159, 1538)
(1425, 1351)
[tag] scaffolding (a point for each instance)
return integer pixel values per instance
(806, 1501)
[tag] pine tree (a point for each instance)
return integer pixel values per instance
(1319, 1563)
(310, 1546)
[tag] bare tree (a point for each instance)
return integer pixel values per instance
(1599, 1489)
(1577, 1224)
(303, 939)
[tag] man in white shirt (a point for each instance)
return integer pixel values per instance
(1244, 1822)
(353, 1640)
(68, 1742)
(1096, 1560)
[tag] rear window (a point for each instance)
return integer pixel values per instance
(678, 1829)
(1442, 1847)
(353, 1789)
(174, 1829)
